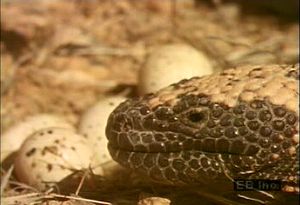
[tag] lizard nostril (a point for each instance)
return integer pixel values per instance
(196, 117)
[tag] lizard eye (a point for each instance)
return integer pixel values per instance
(196, 117)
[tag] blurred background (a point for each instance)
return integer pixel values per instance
(88, 48)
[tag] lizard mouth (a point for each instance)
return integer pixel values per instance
(180, 168)
(153, 142)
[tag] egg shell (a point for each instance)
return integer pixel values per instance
(93, 123)
(51, 154)
(169, 64)
(12, 138)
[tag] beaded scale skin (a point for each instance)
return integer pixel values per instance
(241, 123)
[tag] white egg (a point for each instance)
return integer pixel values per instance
(93, 123)
(169, 64)
(154, 201)
(50, 155)
(12, 138)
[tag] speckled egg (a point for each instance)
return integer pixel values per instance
(51, 154)
(92, 126)
(12, 138)
(169, 64)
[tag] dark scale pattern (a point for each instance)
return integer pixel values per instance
(196, 139)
